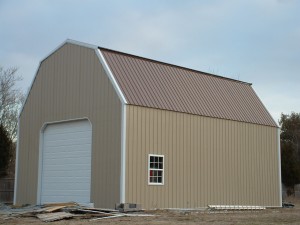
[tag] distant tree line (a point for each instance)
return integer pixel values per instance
(290, 150)
(11, 98)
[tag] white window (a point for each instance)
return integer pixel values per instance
(156, 169)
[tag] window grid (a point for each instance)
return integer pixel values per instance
(156, 170)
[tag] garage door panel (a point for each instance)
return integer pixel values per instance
(51, 182)
(65, 198)
(65, 151)
(67, 166)
(72, 159)
(68, 142)
(67, 172)
(83, 125)
(50, 187)
(66, 169)
(69, 180)
(66, 136)
(70, 137)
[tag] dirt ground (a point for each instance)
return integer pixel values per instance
(268, 216)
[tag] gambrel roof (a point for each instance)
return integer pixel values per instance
(149, 83)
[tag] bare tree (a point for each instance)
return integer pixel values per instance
(11, 99)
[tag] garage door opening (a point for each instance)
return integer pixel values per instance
(65, 162)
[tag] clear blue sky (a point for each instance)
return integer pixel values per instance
(256, 41)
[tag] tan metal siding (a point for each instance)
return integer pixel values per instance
(70, 84)
(154, 84)
(207, 160)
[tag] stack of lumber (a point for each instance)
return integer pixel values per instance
(61, 211)
(235, 207)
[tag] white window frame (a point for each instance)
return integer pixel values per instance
(163, 169)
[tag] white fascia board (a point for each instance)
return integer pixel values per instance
(279, 165)
(111, 76)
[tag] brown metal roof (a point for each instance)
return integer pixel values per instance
(149, 83)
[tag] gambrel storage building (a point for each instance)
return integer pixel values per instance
(101, 126)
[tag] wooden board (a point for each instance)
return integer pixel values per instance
(48, 217)
(67, 204)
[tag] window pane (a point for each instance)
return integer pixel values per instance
(161, 159)
(155, 179)
(151, 158)
(155, 173)
(160, 165)
(151, 179)
(151, 165)
(159, 179)
(159, 173)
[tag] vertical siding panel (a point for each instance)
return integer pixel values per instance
(221, 155)
(165, 151)
(182, 158)
(193, 159)
(258, 178)
(272, 137)
(198, 172)
(201, 180)
(206, 159)
(148, 150)
(170, 165)
(174, 156)
(211, 161)
(232, 160)
(188, 161)
(268, 145)
(134, 154)
(142, 157)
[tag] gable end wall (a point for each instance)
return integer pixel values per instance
(71, 83)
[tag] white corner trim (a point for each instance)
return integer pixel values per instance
(16, 164)
(111, 76)
(41, 142)
(123, 156)
(279, 165)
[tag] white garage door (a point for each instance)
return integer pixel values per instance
(66, 162)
